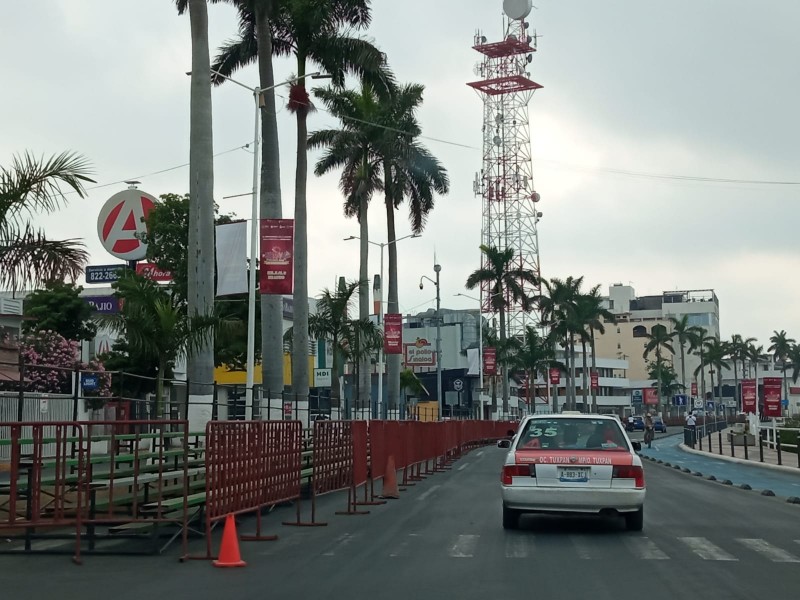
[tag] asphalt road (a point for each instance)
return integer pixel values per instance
(443, 539)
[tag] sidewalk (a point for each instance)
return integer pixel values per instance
(782, 481)
(765, 457)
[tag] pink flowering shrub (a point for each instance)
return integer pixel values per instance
(50, 362)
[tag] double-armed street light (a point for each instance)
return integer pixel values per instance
(382, 407)
(251, 300)
(437, 269)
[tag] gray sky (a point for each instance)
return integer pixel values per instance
(705, 88)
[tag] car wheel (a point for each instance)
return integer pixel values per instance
(510, 518)
(635, 521)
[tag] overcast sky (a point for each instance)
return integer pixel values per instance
(704, 88)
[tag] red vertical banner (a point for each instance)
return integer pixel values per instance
(650, 396)
(595, 380)
(277, 256)
(749, 402)
(490, 361)
(694, 388)
(393, 333)
(772, 396)
(555, 376)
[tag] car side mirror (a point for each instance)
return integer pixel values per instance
(504, 444)
(637, 446)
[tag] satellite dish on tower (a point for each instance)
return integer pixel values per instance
(517, 9)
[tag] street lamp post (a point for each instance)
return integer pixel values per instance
(251, 299)
(437, 269)
(480, 348)
(382, 407)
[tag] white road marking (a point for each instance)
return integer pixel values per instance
(480, 453)
(580, 548)
(462, 467)
(645, 548)
(769, 551)
(341, 542)
(424, 495)
(402, 549)
(464, 546)
(51, 544)
(517, 546)
(705, 549)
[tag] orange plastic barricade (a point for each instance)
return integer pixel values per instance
(376, 432)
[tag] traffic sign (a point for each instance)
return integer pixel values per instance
(322, 377)
(458, 385)
(636, 396)
(785, 403)
(698, 403)
(121, 223)
(102, 273)
(710, 405)
(679, 400)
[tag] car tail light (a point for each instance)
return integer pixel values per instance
(629, 472)
(510, 471)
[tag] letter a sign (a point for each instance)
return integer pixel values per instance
(121, 220)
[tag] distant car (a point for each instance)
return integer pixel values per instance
(572, 464)
(319, 417)
(659, 425)
(638, 423)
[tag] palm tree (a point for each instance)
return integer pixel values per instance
(738, 350)
(593, 315)
(353, 150)
(665, 379)
(714, 353)
(29, 186)
(781, 345)
(700, 344)
(658, 341)
(534, 355)
(316, 31)
(559, 312)
(348, 337)
(200, 368)
(685, 334)
(506, 283)
(793, 356)
(156, 326)
(409, 383)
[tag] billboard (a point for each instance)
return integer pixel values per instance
(490, 361)
(650, 396)
(555, 376)
(419, 354)
(749, 396)
(393, 333)
(772, 396)
(277, 256)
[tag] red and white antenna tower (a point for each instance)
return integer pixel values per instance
(505, 182)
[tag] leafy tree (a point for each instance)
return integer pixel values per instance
(60, 308)
(506, 283)
(28, 187)
(50, 362)
(664, 378)
(316, 31)
(136, 371)
(534, 355)
(347, 336)
(156, 325)
(714, 354)
(738, 349)
(685, 335)
(591, 316)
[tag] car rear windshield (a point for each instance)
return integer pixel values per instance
(572, 434)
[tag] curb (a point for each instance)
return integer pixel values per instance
(740, 461)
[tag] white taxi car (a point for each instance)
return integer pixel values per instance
(572, 463)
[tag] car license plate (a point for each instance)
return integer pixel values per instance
(573, 473)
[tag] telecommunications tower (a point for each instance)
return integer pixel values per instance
(505, 182)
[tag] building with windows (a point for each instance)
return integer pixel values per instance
(637, 316)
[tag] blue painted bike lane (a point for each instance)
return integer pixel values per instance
(783, 484)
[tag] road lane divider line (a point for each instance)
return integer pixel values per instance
(402, 548)
(462, 467)
(645, 548)
(517, 546)
(706, 550)
(769, 551)
(424, 495)
(464, 546)
(479, 453)
(341, 542)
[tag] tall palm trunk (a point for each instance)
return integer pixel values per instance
(364, 377)
(392, 360)
(584, 378)
(300, 297)
(702, 375)
(200, 368)
(736, 382)
(594, 370)
(503, 366)
(683, 374)
(574, 390)
(271, 206)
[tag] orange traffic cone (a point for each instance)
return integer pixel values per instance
(390, 480)
(229, 549)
